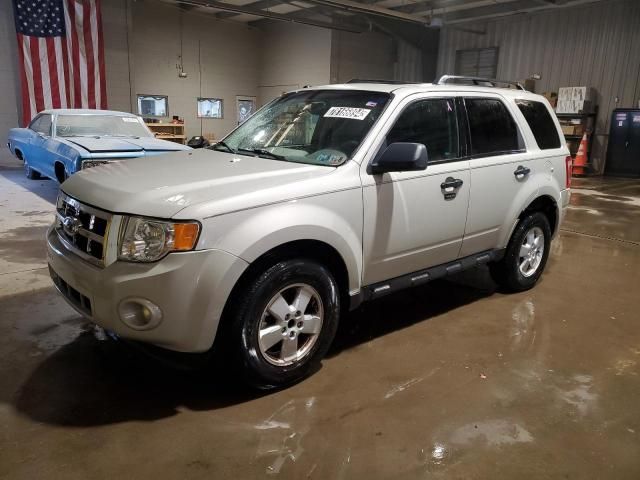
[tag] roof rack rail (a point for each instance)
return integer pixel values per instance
(390, 82)
(458, 79)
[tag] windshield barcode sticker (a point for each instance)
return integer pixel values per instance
(347, 112)
(130, 119)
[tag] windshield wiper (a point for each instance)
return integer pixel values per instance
(261, 152)
(223, 145)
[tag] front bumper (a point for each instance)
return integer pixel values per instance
(190, 289)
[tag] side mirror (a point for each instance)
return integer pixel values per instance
(401, 157)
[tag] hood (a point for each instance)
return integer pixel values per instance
(119, 144)
(218, 182)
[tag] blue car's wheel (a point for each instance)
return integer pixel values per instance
(29, 172)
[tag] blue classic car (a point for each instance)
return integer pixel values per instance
(58, 143)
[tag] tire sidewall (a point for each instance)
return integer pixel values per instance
(259, 371)
(515, 277)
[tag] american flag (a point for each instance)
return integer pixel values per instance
(61, 51)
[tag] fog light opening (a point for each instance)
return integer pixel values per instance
(139, 313)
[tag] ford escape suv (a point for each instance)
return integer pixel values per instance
(326, 197)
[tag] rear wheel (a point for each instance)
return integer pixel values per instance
(283, 323)
(526, 254)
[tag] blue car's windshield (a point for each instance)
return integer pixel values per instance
(319, 127)
(100, 125)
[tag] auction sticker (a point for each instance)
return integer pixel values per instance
(348, 112)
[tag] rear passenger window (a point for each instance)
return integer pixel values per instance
(430, 122)
(541, 123)
(492, 128)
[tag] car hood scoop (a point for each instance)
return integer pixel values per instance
(216, 182)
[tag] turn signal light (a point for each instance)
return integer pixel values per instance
(185, 236)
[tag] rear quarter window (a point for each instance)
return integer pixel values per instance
(542, 125)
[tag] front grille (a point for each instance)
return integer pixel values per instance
(96, 162)
(82, 229)
(82, 302)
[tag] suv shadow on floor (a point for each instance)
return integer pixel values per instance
(96, 381)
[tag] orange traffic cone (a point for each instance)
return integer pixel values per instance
(580, 162)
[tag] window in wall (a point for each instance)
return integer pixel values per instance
(477, 62)
(492, 128)
(153, 105)
(209, 107)
(544, 129)
(42, 124)
(432, 123)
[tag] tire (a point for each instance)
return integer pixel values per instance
(29, 172)
(513, 273)
(260, 324)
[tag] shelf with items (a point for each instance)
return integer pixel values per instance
(174, 132)
(575, 126)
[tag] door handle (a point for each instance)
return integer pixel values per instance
(451, 182)
(522, 171)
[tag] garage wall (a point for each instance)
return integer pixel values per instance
(292, 55)
(366, 55)
(116, 25)
(9, 86)
(595, 45)
(220, 59)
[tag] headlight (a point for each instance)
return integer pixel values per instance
(145, 240)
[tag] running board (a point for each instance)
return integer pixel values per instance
(381, 289)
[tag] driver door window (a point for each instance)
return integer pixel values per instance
(42, 125)
(430, 122)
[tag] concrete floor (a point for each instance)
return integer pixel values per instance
(452, 380)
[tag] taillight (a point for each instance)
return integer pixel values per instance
(568, 162)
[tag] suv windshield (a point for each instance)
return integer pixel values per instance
(101, 125)
(319, 127)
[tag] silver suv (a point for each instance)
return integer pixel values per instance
(325, 198)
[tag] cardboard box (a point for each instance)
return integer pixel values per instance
(572, 129)
(576, 100)
(552, 97)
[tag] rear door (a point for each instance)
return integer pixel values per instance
(500, 167)
(414, 220)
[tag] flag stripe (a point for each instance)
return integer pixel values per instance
(53, 71)
(34, 48)
(44, 69)
(26, 105)
(103, 77)
(88, 52)
(60, 74)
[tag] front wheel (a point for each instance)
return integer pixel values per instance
(29, 172)
(283, 323)
(526, 254)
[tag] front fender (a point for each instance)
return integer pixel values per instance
(335, 219)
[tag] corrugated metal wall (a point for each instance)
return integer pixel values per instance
(595, 45)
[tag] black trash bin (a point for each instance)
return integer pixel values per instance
(198, 142)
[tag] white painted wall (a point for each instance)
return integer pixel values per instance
(9, 86)
(292, 55)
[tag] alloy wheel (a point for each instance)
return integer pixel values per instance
(290, 325)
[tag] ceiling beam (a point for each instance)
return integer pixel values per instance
(274, 16)
(357, 7)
